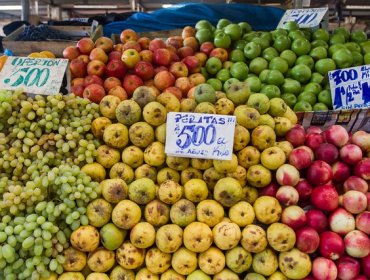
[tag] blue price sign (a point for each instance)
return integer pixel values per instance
(200, 135)
(33, 75)
(350, 87)
(306, 18)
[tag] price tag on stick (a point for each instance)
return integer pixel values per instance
(34, 75)
(350, 87)
(200, 135)
(306, 18)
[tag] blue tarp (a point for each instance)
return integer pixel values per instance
(178, 16)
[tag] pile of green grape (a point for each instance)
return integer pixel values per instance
(43, 193)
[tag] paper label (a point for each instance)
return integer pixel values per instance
(196, 135)
(34, 75)
(306, 18)
(350, 87)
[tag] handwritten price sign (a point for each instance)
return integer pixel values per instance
(306, 18)
(34, 75)
(350, 87)
(200, 135)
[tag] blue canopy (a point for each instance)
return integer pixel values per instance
(178, 16)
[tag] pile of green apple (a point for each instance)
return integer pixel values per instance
(290, 63)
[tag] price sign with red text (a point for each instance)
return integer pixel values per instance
(34, 75)
(350, 87)
(196, 135)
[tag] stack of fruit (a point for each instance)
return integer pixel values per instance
(289, 63)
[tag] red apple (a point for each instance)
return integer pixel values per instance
(84, 58)
(313, 129)
(324, 269)
(119, 92)
(300, 158)
(131, 45)
(77, 68)
(354, 202)
(92, 79)
(341, 171)
(270, 190)
(197, 79)
(159, 69)
(71, 52)
(220, 53)
(162, 57)
(114, 55)
(94, 93)
(156, 44)
(78, 90)
(331, 245)
(355, 183)
(128, 35)
(287, 175)
(363, 222)
(307, 240)
(350, 154)
(192, 63)
(313, 140)
(361, 139)
(191, 42)
(296, 135)
(357, 244)
(116, 68)
(144, 42)
(131, 82)
(319, 173)
(341, 221)
(183, 83)
(287, 195)
(77, 81)
(294, 216)
(110, 83)
(206, 47)
(96, 67)
(304, 189)
(104, 43)
(144, 70)
(163, 80)
(98, 54)
(325, 197)
(176, 41)
(327, 152)
(85, 45)
(337, 135)
(179, 69)
(175, 91)
(185, 51)
(348, 268)
(317, 220)
(362, 169)
(365, 264)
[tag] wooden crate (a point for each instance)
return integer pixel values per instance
(24, 48)
(162, 34)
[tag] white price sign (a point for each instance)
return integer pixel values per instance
(196, 135)
(306, 18)
(350, 87)
(34, 75)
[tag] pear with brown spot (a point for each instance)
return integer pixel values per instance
(98, 126)
(197, 237)
(210, 212)
(75, 260)
(116, 135)
(141, 134)
(108, 106)
(133, 156)
(119, 273)
(99, 212)
(183, 212)
(157, 213)
(85, 238)
(157, 261)
(226, 235)
(190, 173)
(154, 113)
(238, 259)
(128, 112)
(114, 190)
(265, 262)
(122, 171)
(170, 191)
(130, 257)
(169, 238)
(184, 261)
(107, 156)
(142, 235)
(211, 261)
(101, 260)
(253, 239)
(227, 191)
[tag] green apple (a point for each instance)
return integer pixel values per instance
(204, 93)
(254, 84)
(291, 25)
(301, 73)
(343, 58)
(302, 106)
(246, 27)
(239, 45)
(111, 236)
(367, 58)
(306, 60)
(337, 39)
(320, 107)
(234, 31)
(228, 82)
(307, 33)
(222, 40)
(217, 31)
(223, 75)
(237, 55)
(269, 53)
(227, 64)
(252, 50)
(260, 102)
(319, 43)
(215, 83)
(271, 91)
(203, 24)
(291, 86)
(249, 36)
(320, 34)
(290, 99)
(358, 36)
(323, 66)
(343, 31)
(257, 65)
(301, 46)
(275, 77)
(295, 34)
(358, 58)
(213, 65)
(239, 70)
(238, 93)
(278, 32)
(265, 35)
(313, 87)
(353, 47)
(319, 53)
(204, 72)
(325, 97)
(263, 75)
(289, 57)
(278, 63)
(282, 43)
(317, 78)
(263, 42)
(222, 23)
(203, 35)
(365, 47)
(308, 97)
(334, 48)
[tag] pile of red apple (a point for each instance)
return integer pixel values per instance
(102, 68)
(330, 206)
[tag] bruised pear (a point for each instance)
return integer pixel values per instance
(142, 95)
(154, 113)
(128, 112)
(249, 156)
(268, 209)
(195, 190)
(98, 212)
(101, 260)
(146, 171)
(145, 274)
(295, 264)
(188, 174)
(126, 214)
(114, 190)
(169, 238)
(157, 213)
(253, 239)
(142, 235)
(75, 260)
(142, 191)
(169, 101)
(184, 261)
(116, 135)
(241, 137)
(238, 259)
(265, 262)
(122, 171)
(85, 238)
(259, 176)
(141, 134)
(171, 274)
(226, 274)
(227, 191)
(98, 126)
(197, 237)
(107, 156)
(246, 116)
(177, 163)
(211, 176)
(157, 261)
(224, 106)
(281, 237)
(226, 166)
(133, 156)
(263, 137)
(167, 173)
(130, 257)
(120, 273)
(226, 235)
(211, 261)
(95, 170)
(210, 212)
(169, 192)
(154, 154)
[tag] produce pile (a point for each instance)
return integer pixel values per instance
(87, 191)
(41, 33)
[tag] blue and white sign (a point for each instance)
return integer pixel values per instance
(196, 135)
(350, 87)
(306, 18)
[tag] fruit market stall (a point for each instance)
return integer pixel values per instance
(183, 158)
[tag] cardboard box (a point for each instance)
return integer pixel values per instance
(24, 48)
